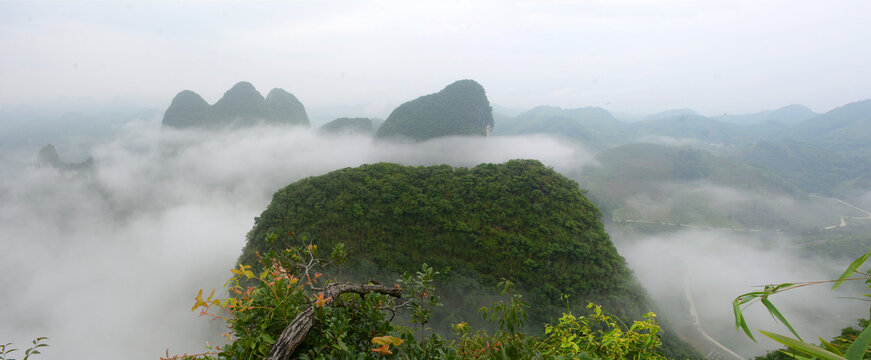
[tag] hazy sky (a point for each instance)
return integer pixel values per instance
(625, 55)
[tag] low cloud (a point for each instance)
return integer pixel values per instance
(107, 266)
(720, 265)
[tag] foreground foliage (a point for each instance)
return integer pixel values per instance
(6, 349)
(517, 220)
(375, 326)
(853, 345)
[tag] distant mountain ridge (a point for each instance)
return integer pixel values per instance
(846, 129)
(789, 115)
(348, 126)
(593, 126)
(240, 106)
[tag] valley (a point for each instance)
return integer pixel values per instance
(681, 199)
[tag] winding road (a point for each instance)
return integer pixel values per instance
(694, 313)
(844, 218)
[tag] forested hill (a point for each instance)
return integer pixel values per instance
(519, 220)
(460, 108)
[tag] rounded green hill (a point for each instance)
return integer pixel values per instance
(519, 220)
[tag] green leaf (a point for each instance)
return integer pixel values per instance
(860, 345)
(851, 269)
(830, 347)
(803, 346)
(776, 313)
(739, 320)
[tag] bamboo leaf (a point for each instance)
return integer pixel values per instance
(776, 313)
(828, 346)
(851, 269)
(803, 346)
(860, 345)
(739, 320)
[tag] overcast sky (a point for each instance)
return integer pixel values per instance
(625, 55)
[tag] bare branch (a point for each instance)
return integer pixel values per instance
(298, 329)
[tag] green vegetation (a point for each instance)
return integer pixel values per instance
(841, 342)
(811, 168)
(460, 108)
(6, 349)
(355, 325)
(845, 130)
(518, 220)
(853, 345)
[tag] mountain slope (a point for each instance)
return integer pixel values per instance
(787, 115)
(684, 185)
(518, 220)
(810, 167)
(460, 108)
(593, 126)
(846, 130)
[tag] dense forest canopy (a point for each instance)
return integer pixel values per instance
(519, 220)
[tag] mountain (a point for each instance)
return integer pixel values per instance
(49, 158)
(593, 126)
(810, 167)
(787, 115)
(683, 185)
(188, 109)
(695, 127)
(519, 220)
(460, 108)
(845, 130)
(671, 113)
(348, 126)
(286, 108)
(240, 106)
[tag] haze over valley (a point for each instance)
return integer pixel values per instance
(118, 202)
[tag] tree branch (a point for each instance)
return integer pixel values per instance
(298, 329)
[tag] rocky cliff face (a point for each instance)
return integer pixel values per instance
(240, 106)
(460, 108)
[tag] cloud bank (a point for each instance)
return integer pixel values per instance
(107, 266)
